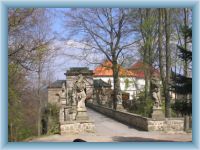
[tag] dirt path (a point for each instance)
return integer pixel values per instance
(109, 130)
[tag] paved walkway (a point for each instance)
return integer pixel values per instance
(109, 130)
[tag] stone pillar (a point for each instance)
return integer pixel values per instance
(74, 112)
(120, 107)
(61, 115)
(158, 114)
(82, 115)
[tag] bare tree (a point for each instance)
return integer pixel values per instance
(41, 55)
(30, 44)
(103, 31)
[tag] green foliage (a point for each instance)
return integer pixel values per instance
(141, 106)
(53, 109)
(182, 84)
(184, 107)
(53, 119)
(127, 83)
(25, 133)
(148, 26)
(28, 27)
(14, 105)
(20, 124)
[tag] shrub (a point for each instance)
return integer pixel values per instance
(141, 106)
(53, 119)
(182, 107)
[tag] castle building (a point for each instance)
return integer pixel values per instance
(132, 79)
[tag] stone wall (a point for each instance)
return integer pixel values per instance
(169, 124)
(74, 127)
(124, 117)
(52, 97)
(143, 123)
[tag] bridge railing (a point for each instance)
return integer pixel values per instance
(140, 122)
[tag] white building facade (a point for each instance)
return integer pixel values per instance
(130, 85)
(130, 82)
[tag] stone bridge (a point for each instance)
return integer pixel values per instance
(110, 130)
(140, 122)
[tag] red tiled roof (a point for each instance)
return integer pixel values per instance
(139, 67)
(105, 70)
(136, 70)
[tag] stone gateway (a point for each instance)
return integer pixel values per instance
(79, 121)
(73, 117)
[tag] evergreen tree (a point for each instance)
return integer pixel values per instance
(183, 83)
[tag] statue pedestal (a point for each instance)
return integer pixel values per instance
(80, 124)
(103, 102)
(77, 127)
(158, 114)
(82, 115)
(66, 114)
(120, 107)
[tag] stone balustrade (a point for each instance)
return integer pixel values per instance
(140, 122)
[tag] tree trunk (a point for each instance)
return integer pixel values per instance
(116, 82)
(161, 65)
(147, 58)
(147, 80)
(39, 100)
(186, 65)
(185, 41)
(168, 64)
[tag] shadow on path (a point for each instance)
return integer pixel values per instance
(137, 139)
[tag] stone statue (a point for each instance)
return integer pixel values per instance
(62, 102)
(80, 86)
(72, 104)
(109, 81)
(63, 92)
(119, 101)
(119, 97)
(155, 85)
(103, 96)
(62, 95)
(73, 97)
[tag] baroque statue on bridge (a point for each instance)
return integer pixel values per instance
(155, 85)
(79, 87)
(62, 95)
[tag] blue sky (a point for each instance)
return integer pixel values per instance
(61, 62)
